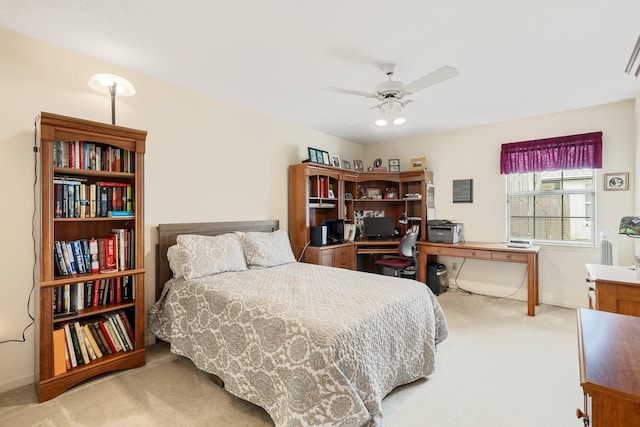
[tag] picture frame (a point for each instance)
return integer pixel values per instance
(616, 181)
(418, 163)
(313, 155)
(358, 166)
(346, 164)
(374, 193)
(335, 161)
(462, 191)
(394, 165)
(325, 158)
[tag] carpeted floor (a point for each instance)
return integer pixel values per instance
(499, 367)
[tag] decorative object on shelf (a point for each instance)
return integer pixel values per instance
(348, 196)
(336, 160)
(374, 193)
(313, 155)
(616, 181)
(377, 163)
(462, 191)
(362, 192)
(112, 85)
(403, 218)
(418, 163)
(325, 158)
(394, 165)
(390, 193)
(358, 165)
(630, 225)
(346, 164)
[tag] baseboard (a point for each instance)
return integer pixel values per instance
(10, 385)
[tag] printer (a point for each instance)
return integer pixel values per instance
(443, 231)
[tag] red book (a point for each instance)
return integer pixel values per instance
(96, 293)
(107, 337)
(322, 187)
(118, 290)
(127, 325)
(111, 262)
(72, 154)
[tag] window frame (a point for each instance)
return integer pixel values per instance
(592, 191)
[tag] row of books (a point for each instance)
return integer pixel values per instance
(73, 197)
(112, 253)
(69, 298)
(92, 156)
(77, 343)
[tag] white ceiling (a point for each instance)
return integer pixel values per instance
(516, 58)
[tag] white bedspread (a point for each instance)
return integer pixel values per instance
(311, 345)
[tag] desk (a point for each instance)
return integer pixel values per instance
(613, 288)
(609, 368)
(429, 252)
(344, 255)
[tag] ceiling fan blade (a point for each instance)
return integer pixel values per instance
(352, 92)
(438, 76)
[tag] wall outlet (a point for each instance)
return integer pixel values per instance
(454, 265)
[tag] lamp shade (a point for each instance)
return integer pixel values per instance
(104, 82)
(630, 225)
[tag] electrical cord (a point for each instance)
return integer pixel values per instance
(460, 288)
(33, 235)
(303, 250)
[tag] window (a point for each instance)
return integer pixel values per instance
(552, 206)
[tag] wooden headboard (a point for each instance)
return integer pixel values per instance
(167, 234)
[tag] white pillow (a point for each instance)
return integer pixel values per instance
(267, 249)
(207, 255)
(175, 263)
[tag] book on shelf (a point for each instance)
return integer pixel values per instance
(104, 327)
(75, 343)
(127, 325)
(117, 344)
(92, 344)
(70, 348)
(59, 348)
(90, 328)
(81, 342)
(103, 338)
(93, 254)
(120, 214)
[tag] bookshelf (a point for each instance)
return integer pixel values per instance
(91, 201)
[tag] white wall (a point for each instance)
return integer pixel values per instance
(474, 153)
(206, 161)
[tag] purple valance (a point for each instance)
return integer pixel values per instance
(560, 153)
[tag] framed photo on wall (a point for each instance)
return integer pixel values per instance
(616, 181)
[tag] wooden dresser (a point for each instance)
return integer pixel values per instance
(613, 288)
(609, 357)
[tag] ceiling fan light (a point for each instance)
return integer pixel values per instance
(400, 120)
(381, 121)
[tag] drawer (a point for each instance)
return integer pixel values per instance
(344, 257)
(509, 256)
(457, 252)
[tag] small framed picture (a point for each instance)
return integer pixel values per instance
(335, 160)
(325, 158)
(358, 166)
(394, 165)
(315, 156)
(418, 163)
(346, 164)
(374, 193)
(616, 181)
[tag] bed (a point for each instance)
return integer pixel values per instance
(312, 345)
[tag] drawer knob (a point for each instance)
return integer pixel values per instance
(473, 253)
(508, 256)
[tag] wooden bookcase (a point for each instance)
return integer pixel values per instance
(310, 201)
(57, 132)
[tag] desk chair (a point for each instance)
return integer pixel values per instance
(406, 259)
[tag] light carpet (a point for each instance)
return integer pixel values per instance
(498, 367)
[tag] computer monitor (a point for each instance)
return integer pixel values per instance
(335, 230)
(378, 227)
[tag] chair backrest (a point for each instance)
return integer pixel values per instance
(407, 246)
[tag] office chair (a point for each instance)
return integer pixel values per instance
(407, 261)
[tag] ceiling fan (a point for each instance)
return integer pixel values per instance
(391, 93)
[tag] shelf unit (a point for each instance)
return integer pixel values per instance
(56, 130)
(352, 191)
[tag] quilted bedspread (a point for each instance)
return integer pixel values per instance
(312, 345)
